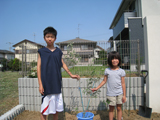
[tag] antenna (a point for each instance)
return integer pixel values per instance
(34, 36)
(78, 30)
(9, 45)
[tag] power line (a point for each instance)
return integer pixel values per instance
(10, 47)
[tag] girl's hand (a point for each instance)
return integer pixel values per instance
(41, 90)
(124, 99)
(94, 89)
(75, 77)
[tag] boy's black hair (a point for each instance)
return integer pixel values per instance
(113, 55)
(50, 30)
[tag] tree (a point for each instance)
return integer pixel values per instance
(4, 63)
(10, 63)
(71, 58)
(16, 65)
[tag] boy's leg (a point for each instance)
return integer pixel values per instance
(111, 113)
(43, 117)
(119, 111)
(55, 116)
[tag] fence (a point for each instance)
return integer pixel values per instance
(30, 97)
(86, 53)
(83, 58)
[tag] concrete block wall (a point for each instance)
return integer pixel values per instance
(30, 97)
(13, 113)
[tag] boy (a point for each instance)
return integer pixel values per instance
(49, 75)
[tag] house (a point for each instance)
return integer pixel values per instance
(139, 19)
(87, 50)
(6, 54)
(128, 24)
(29, 49)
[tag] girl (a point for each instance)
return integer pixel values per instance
(116, 90)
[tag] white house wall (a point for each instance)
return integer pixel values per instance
(152, 42)
(9, 56)
(150, 7)
(30, 57)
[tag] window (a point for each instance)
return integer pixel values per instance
(84, 47)
(84, 59)
(32, 51)
(18, 51)
(67, 48)
(90, 47)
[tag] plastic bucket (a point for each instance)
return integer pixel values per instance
(88, 116)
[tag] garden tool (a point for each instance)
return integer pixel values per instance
(144, 110)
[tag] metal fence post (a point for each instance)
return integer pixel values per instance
(138, 59)
(22, 61)
(25, 61)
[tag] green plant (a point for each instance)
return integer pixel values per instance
(102, 58)
(16, 64)
(90, 82)
(76, 110)
(33, 72)
(71, 58)
(33, 63)
(4, 63)
(10, 64)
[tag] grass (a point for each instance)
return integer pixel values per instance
(8, 90)
(85, 71)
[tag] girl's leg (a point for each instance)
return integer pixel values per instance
(55, 116)
(111, 109)
(43, 117)
(119, 111)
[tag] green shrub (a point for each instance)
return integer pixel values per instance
(16, 65)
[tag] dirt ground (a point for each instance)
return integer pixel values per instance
(98, 115)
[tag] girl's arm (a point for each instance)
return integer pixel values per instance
(124, 89)
(101, 84)
(41, 90)
(67, 70)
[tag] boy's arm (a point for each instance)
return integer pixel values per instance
(67, 70)
(124, 89)
(101, 84)
(41, 90)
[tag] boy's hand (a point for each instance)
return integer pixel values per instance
(124, 99)
(94, 89)
(75, 77)
(41, 90)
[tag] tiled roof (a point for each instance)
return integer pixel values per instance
(6, 52)
(25, 40)
(76, 40)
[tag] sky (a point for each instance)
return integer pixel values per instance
(22, 19)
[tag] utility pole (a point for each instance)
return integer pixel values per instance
(10, 47)
(34, 36)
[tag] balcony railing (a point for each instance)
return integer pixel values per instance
(122, 23)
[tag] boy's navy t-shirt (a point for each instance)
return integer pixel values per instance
(51, 64)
